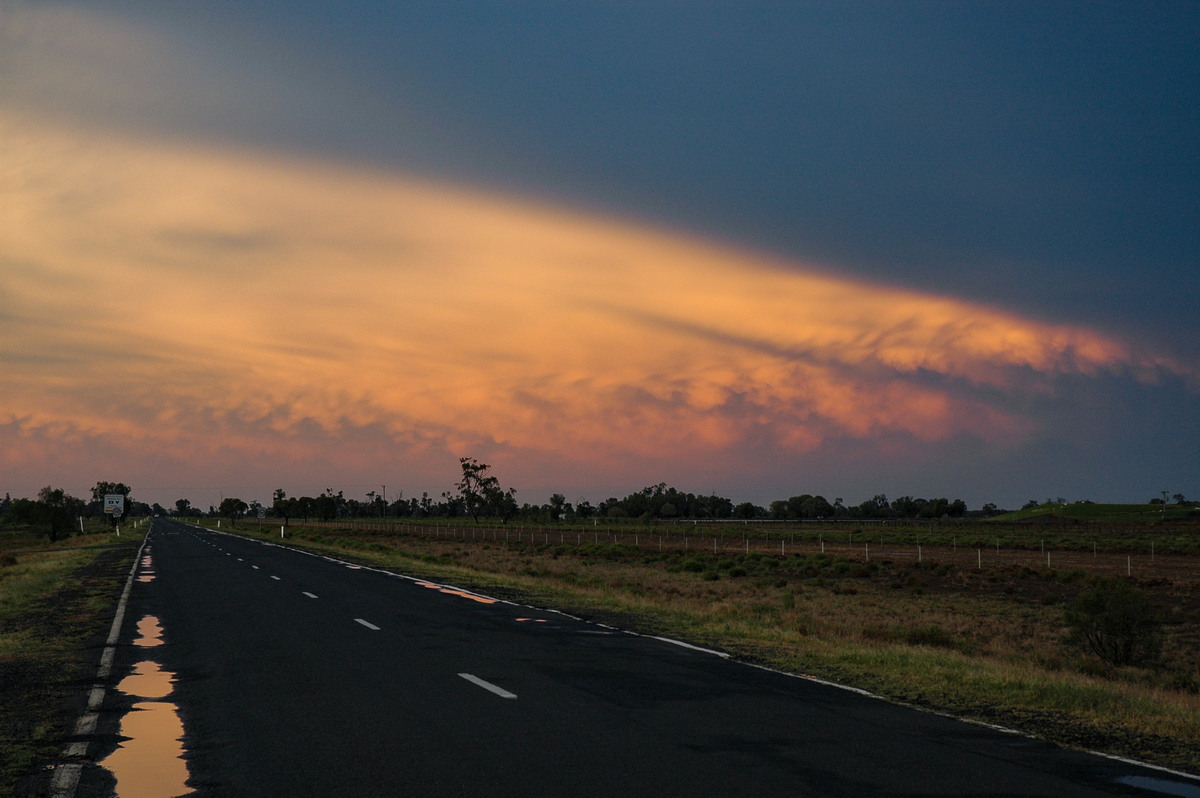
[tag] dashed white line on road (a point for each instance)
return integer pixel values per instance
(367, 624)
(310, 595)
(255, 567)
(276, 578)
(500, 691)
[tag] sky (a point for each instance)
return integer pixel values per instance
(752, 249)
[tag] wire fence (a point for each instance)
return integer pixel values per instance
(1111, 551)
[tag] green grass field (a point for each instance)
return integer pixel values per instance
(1103, 513)
(56, 602)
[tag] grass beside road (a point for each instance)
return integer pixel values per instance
(56, 605)
(983, 644)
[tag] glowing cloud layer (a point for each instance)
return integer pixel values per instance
(161, 295)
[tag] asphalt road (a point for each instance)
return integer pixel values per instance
(304, 676)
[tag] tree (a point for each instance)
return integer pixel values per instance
(1116, 622)
(231, 508)
(748, 510)
(183, 507)
(481, 494)
(102, 489)
(328, 505)
(559, 506)
(53, 512)
(59, 509)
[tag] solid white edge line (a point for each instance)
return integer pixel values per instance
(367, 624)
(715, 653)
(723, 655)
(66, 777)
(500, 691)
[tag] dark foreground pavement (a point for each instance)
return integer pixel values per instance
(303, 676)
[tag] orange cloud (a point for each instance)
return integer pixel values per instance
(176, 295)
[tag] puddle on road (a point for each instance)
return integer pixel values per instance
(148, 680)
(147, 571)
(150, 763)
(462, 593)
(149, 633)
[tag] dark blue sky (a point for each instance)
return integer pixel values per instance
(1045, 156)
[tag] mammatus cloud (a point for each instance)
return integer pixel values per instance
(157, 294)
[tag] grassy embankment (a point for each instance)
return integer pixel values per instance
(56, 605)
(986, 644)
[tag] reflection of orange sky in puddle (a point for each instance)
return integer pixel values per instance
(148, 680)
(440, 317)
(462, 593)
(149, 632)
(150, 763)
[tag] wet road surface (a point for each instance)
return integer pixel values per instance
(298, 675)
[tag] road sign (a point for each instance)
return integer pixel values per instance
(114, 503)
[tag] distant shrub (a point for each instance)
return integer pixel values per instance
(1116, 622)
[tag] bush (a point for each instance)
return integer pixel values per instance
(1116, 622)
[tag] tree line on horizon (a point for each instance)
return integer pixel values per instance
(479, 495)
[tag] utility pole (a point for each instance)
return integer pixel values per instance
(384, 501)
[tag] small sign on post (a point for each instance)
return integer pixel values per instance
(114, 504)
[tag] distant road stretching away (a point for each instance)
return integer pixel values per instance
(306, 676)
